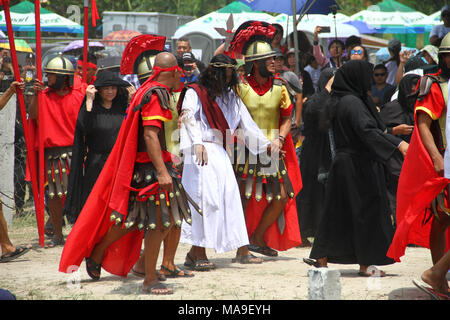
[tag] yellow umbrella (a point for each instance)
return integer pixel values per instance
(21, 45)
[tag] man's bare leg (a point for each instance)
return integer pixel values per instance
(171, 242)
(114, 233)
(436, 275)
(55, 207)
(5, 242)
(437, 236)
(152, 242)
(269, 216)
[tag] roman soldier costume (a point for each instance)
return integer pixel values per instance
(54, 133)
(127, 190)
(422, 193)
(267, 104)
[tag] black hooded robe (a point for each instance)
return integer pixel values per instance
(94, 138)
(315, 158)
(394, 113)
(356, 226)
(95, 135)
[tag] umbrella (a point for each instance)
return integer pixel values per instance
(118, 38)
(236, 7)
(21, 45)
(275, 6)
(76, 47)
(23, 19)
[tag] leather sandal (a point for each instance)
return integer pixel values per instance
(91, 265)
(198, 265)
(177, 273)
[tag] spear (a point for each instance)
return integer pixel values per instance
(85, 38)
(31, 156)
(41, 218)
(95, 16)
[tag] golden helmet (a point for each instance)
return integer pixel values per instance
(259, 50)
(445, 44)
(60, 65)
(145, 66)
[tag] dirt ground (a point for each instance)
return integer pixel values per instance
(35, 276)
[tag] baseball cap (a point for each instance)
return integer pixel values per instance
(188, 56)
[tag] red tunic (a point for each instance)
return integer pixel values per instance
(291, 235)
(111, 192)
(57, 120)
(58, 117)
(418, 185)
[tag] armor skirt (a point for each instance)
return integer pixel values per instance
(57, 168)
(146, 196)
(261, 174)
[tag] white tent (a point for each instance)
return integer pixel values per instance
(309, 20)
(398, 21)
(433, 19)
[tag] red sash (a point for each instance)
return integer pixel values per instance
(213, 113)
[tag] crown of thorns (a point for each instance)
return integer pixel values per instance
(221, 65)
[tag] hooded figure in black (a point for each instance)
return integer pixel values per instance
(95, 134)
(398, 116)
(356, 225)
(314, 159)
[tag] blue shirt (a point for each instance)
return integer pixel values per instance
(380, 93)
(190, 79)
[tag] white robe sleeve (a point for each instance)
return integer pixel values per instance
(447, 135)
(254, 138)
(190, 130)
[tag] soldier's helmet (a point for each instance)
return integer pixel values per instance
(145, 66)
(60, 65)
(258, 50)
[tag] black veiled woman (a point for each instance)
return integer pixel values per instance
(398, 116)
(356, 226)
(315, 157)
(98, 124)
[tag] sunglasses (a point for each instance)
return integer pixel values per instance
(379, 74)
(359, 51)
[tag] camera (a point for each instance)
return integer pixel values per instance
(6, 59)
(325, 29)
(187, 68)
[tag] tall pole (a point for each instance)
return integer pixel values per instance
(41, 216)
(294, 20)
(85, 38)
(31, 155)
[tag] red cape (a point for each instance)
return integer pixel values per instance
(110, 192)
(418, 185)
(291, 235)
